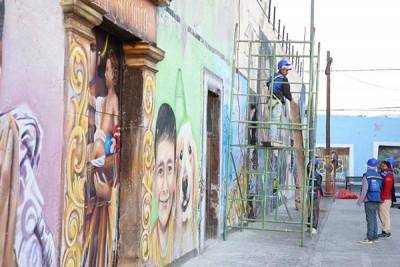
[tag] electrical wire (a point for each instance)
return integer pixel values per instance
(365, 70)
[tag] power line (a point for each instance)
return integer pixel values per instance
(397, 109)
(365, 70)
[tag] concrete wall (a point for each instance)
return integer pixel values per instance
(32, 88)
(361, 133)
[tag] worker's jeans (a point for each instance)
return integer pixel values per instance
(275, 117)
(371, 209)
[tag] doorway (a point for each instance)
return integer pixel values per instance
(213, 163)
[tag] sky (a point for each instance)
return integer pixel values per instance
(360, 34)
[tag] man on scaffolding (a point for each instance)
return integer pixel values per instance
(280, 92)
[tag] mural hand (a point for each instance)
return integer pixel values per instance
(103, 190)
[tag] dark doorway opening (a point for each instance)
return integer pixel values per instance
(213, 158)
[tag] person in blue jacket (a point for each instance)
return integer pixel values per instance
(315, 194)
(372, 183)
(279, 84)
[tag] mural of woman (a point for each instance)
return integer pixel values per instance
(25, 237)
(102, 187)
(22, 201)
(164, 187)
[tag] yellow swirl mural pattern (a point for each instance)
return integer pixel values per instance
(76, 157)
(148, 157)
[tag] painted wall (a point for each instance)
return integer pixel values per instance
(192, 49)
(31, 91)
(361, 132)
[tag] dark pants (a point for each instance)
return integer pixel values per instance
(371, 209)
(315, 211)
(250, 204)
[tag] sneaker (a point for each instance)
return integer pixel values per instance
(314, 231)
(382, 235)
(366, 241)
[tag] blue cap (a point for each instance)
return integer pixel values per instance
(372, 162)
(392, 162)
(316, 163)
(284, 64)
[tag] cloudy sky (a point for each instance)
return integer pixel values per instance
(361, 35)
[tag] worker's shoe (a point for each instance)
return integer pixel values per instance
(366, 241)
(384, 235)
(314, 231)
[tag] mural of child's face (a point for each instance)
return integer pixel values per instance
(109, 74)
(164, 182)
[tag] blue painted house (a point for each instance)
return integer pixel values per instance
(358, 138)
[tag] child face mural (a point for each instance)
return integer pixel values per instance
(165, 184)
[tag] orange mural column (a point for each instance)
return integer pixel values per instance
(138, 98)
(79, 19)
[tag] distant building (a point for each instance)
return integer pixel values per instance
(356, 139)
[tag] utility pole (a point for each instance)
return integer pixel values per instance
(328, 124)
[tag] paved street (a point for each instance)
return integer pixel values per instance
(342, 226)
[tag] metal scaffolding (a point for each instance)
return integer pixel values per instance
(270, 182)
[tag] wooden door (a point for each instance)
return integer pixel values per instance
(213, 158)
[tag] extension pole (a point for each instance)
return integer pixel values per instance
(328, 124)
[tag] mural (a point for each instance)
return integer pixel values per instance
(102, 186)
(385, 152)
(342, 164)
(171, 230)
(234, 208)
(2, 9)
(92, 194)
(26, 239)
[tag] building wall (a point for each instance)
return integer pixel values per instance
(49, 77)
(194, 55)
(361, 133)
(32, 91)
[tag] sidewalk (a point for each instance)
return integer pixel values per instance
(342, 225)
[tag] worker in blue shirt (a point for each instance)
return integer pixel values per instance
(372, 183)
(280, 92)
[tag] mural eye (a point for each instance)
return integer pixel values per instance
(169, 169)
(160, 171)
(181, 155)
(190, 150)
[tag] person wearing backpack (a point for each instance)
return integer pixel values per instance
(280, 91)
(372, 183)
(386, 197)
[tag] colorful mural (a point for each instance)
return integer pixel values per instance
(93, 153)
(170, 223)
(390, 151)
(26, 239)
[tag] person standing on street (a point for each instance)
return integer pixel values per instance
(386, 198)
(370, 195)
(315, 183)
